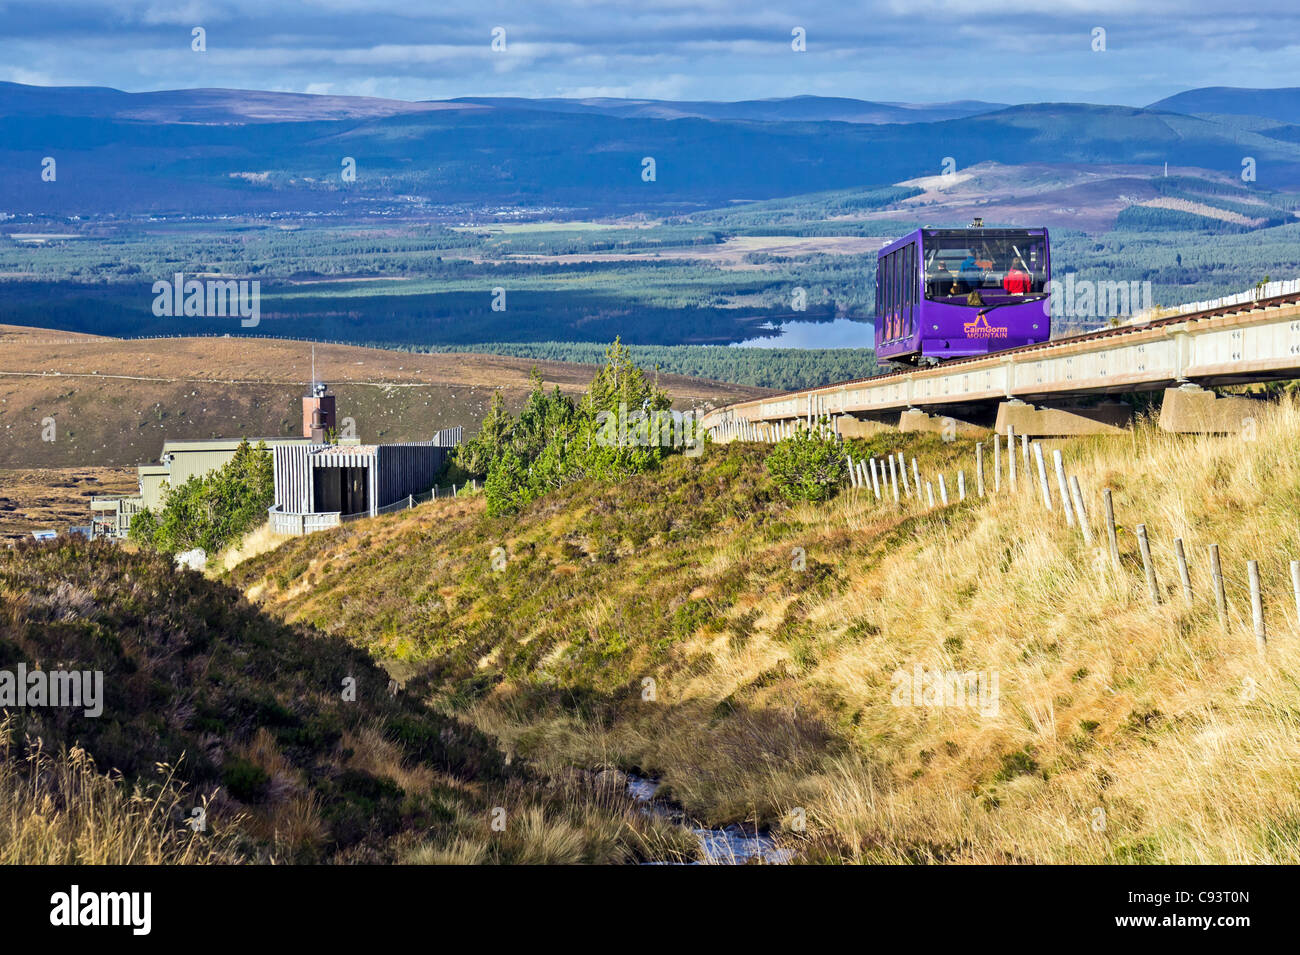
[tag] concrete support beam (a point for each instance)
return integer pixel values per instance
(914, 419)
(851, 427)
(1107, 418)
(1193, 410)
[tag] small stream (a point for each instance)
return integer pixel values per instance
(730, 845)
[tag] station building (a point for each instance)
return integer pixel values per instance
(320, 479)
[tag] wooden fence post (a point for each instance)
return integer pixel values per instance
(961, 485)
(1257, 605)
(902, 466)
(1183, 571)
(1220, 599)
(1062, 487)
(875, 481)
(1042, 476)
(1145, 547)
(979, 469)
(929, 492)
(916, 475)
(1011, 459)
(1295, 587)
(893, 476)
(997, 464)
(1110, 526)
(1081, 510)
(943, 491)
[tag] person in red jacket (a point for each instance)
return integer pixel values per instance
(1017, 281)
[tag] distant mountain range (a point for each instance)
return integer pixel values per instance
(794, 109)
(202, 106)
(221, 152)
(1280, 104)
(222, 106)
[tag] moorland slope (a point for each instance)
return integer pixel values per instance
(691, 625)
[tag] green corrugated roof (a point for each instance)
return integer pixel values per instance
(224, 444)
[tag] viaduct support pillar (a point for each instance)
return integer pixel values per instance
(1191, 409)
(851, 427)
(914, 419)
(1062, 422)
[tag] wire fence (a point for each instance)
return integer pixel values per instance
(733, 427)
(433, 494)
(1027, 471)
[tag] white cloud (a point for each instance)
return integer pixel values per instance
(1007, 50)
(16, 74)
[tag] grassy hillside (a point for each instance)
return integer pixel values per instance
(115, 401)
(1124, 732)
(210, 703)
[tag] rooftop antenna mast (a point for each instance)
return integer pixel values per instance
(313, 364)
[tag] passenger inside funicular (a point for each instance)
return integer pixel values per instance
(1018, 280)
(940, 281)
(999, 268)
(970, 276)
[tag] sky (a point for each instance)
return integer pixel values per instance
(902, 51)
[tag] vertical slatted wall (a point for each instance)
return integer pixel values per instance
(403, 469)
(293, 479)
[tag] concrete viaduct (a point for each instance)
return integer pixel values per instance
(1062, 387)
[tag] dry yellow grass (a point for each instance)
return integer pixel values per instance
(60, 810)
(1124, 732)
(1136, 733)
(580, 818)
(257, 541)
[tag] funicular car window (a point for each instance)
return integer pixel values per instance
(895, 260)
(998, 267)
(909, 290)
